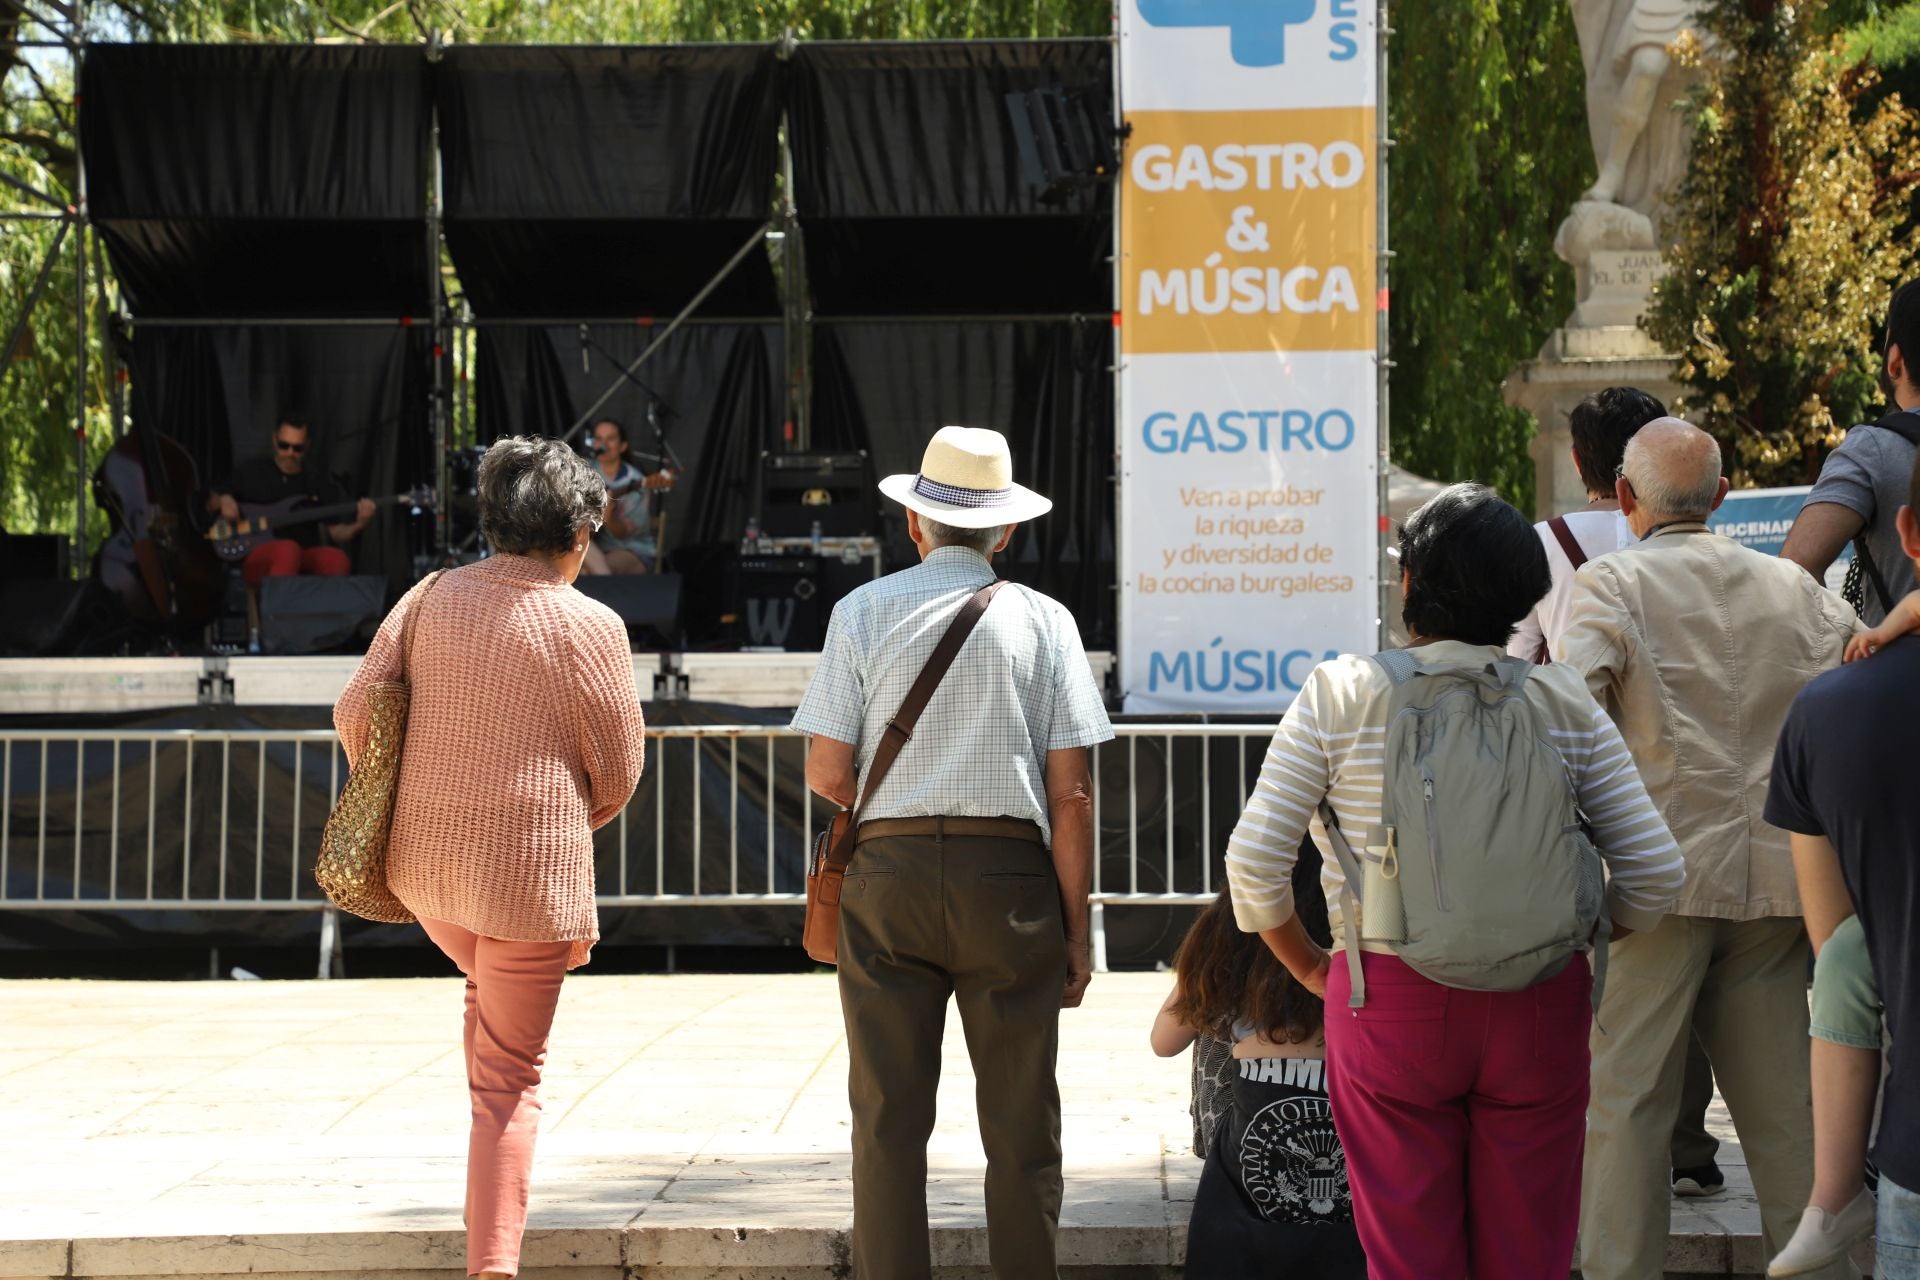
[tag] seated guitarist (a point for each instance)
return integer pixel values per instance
(312, 549)
(626, 541)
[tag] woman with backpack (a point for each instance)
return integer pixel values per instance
(1466, 804)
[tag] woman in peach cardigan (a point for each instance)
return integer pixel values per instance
(524, 736)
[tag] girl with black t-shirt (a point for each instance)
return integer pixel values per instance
(1273, 1198)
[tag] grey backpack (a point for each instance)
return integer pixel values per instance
(1482, 874)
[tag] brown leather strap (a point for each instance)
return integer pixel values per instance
(950, 829)
(1568, 543)
(899, 730)
(413, 615)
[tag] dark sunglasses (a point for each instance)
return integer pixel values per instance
(285, 447)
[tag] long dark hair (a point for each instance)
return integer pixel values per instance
(1227, 976)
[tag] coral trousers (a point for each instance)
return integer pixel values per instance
(512, 990)
(1463, 1115)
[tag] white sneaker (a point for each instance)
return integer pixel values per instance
(1824, 1237)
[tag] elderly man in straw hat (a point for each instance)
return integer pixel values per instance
(973, 863)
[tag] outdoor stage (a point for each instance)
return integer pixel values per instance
(695, 1127)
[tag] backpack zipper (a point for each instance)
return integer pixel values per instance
(1433, 838)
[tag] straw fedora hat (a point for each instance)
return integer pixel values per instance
(966, 480)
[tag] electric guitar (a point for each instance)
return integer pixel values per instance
(262, 522)
(654, 483)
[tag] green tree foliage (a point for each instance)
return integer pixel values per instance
(1488, 112)
(1486, 102)
(38, 471)
(1788, 237)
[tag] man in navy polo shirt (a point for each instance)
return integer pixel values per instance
(1843, 786)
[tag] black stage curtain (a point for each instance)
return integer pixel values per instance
(717, 399)
(608, 182)
(364, 392)
(250, 180)
(886, 387)
(909, 185)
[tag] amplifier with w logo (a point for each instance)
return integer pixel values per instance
(783, 598)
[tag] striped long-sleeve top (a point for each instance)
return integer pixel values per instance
(1332, 746)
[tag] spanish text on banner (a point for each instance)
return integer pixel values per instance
(1248, 453)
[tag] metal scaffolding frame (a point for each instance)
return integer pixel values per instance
(452, 408)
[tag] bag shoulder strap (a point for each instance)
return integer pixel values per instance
(1568, 543)
(413, 616)
(1351, 876)
(899, 730)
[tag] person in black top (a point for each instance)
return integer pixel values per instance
(1841, 786)
(310, 547)
(1273, 1198)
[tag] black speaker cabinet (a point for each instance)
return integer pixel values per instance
(649, 603)
(785, 601)
(26, 556)
(832, 490)
(49, 617)
(313, 614)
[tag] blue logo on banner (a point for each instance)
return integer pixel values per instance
(1258, 27)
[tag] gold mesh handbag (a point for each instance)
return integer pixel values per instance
(352, 864)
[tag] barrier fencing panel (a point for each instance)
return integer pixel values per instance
(212, 819)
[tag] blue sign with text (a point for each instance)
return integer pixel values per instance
(1258, 27)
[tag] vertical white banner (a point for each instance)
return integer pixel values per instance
(1249, 514)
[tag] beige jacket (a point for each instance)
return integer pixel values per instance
(1696, 646)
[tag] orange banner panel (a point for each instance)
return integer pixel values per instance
(1249, 231)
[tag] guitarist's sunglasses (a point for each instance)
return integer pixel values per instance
(286, 447)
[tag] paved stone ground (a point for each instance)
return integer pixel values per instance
(691, 1122)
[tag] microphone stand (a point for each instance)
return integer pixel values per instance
(657, 405)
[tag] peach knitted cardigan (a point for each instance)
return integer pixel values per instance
(523, 737)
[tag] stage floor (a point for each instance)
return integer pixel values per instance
(695, 1125)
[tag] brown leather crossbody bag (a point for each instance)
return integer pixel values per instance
(833, 847)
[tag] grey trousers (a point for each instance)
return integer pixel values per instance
(976, 919)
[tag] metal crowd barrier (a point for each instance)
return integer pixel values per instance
(190, 820)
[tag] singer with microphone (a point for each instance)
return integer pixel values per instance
(627, 542)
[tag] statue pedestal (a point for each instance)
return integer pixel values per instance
(1574, 363)
(1614, 285)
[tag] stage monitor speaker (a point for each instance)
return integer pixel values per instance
(649, 603)
(48, 617)
(301, 615)
(833, 491)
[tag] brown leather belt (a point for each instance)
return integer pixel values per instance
(950, 828)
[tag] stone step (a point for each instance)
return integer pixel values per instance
(642, 1252)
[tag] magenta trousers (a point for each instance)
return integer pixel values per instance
(512, 991)
(1463, 1116)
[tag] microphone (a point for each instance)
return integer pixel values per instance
(585, 365)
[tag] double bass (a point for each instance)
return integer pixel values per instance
(155, 561)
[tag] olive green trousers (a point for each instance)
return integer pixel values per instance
(977, 919)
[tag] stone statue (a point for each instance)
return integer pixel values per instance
(1611, 235)
(1639, 144)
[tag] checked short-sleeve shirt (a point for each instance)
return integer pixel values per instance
(1018, 689)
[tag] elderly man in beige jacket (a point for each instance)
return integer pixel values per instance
(1696, 646)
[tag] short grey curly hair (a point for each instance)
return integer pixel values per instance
(537, 494)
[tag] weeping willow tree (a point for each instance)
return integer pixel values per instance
(1788, 235)
(1488, 111)
(612, 21)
